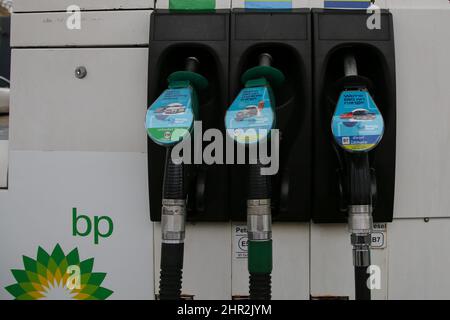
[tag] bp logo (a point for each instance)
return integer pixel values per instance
(58, 276)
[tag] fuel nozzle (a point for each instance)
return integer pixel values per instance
(357, 128)
(170, 119)
(249, 121)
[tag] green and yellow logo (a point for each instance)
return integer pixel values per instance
(58, 276)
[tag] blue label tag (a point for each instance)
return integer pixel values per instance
(357, 123)
(268, 4)
(349, 4)
(250, 118)
(170, 118)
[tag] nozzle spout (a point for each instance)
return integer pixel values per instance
(192, 64)
(350, 65)
(265, 60)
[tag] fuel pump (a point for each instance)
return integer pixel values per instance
(170, 119)
(249, 121)
(358, 127)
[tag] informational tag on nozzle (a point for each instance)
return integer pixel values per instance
(170, 118)
(250, 118)
(357, 123)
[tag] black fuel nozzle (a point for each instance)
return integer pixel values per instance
(357, 128)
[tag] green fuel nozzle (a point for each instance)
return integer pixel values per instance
(170, 119)
(357, 128)
(249, 121)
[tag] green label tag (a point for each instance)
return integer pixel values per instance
(192, 4)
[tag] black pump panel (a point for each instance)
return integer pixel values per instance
(5, 49)
(286, 36)
(174, 36)
(337, 33)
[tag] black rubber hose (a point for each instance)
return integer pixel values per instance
(260, 286)
(171, 271)
(258, 185)
(172, 254)
(362, 291)
(173, 179)
(359, 183)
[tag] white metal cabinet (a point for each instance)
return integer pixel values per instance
(290, 276)
(53, 110)
(36, 211)
(94, 128)
(418, 4)
(419, 259)
(61, 5)
(423, 110)
(98, 28)
(207, 269)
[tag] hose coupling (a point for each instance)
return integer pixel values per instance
(173, 220)
(360, 224)
(361, 249)
(360, 219)
(259, 220)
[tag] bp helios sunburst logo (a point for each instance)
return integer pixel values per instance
(58, 276)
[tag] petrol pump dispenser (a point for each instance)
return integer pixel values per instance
(357, 127)
(170, 119)
(249, 121)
